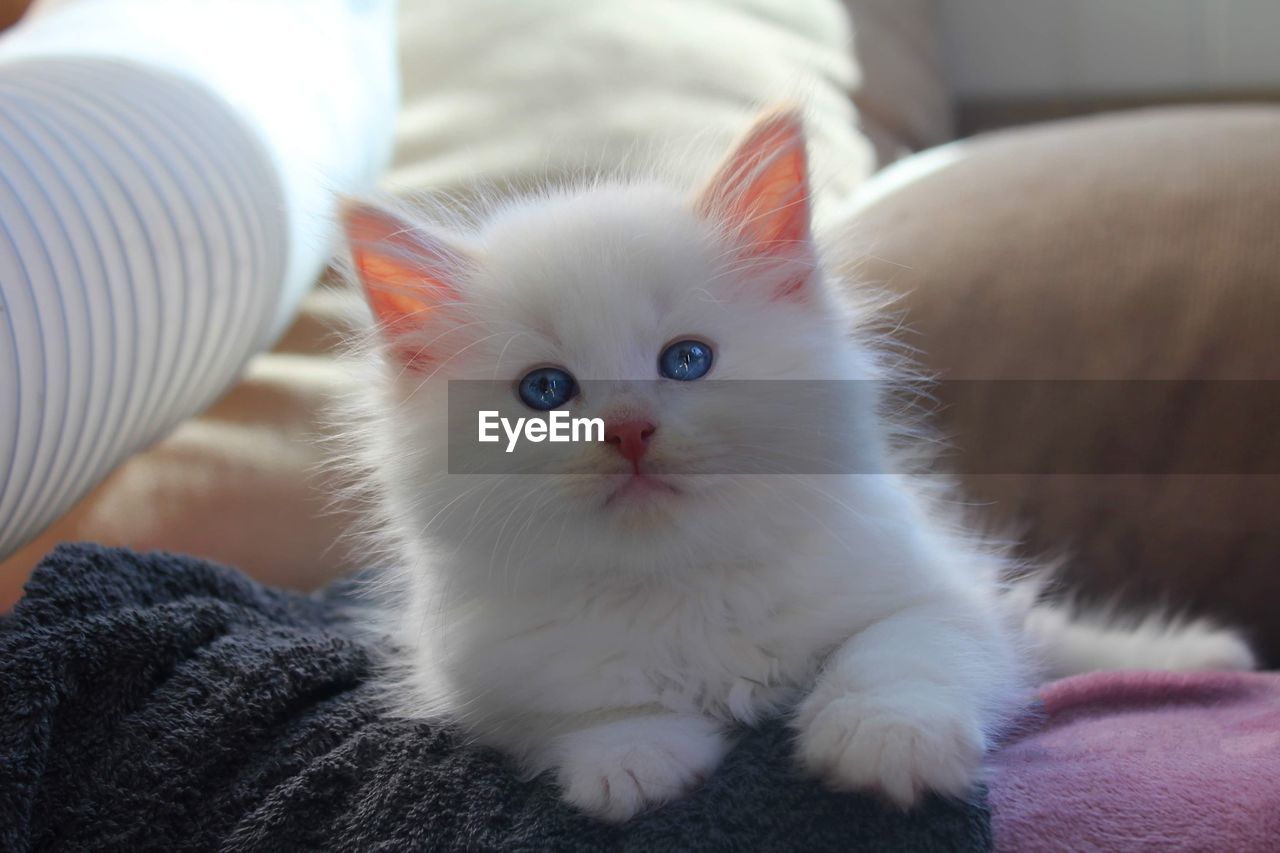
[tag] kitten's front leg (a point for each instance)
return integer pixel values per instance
(614, 770)
(909, 704)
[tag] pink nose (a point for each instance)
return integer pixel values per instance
(630, 438)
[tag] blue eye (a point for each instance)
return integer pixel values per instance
(547, 388)
(685, 360)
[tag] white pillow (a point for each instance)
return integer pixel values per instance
(529, 91)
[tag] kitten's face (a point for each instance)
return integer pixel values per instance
(642, 309)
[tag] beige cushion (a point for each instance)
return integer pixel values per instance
(1132, 246)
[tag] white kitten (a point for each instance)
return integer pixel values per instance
(611, 611)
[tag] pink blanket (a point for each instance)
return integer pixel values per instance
(1145, 761)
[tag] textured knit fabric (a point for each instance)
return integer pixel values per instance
(157, 702)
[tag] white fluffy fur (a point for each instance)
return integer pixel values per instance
(618, 644)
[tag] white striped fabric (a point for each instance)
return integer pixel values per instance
(141, 261)
(168, 172)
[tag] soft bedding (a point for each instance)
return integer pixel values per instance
(158, 702)
(1144, 761)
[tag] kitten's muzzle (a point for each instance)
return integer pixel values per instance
(630, 438)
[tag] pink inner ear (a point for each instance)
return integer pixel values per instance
(406, 273)
(762, 189)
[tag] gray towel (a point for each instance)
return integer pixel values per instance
(160, 702)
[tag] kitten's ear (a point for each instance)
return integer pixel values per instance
(406, 272)
(761, 191)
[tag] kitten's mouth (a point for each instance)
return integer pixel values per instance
(639, 487)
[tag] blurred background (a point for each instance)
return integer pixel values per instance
(1018, 60)
(1108, 214)
(1007, 61)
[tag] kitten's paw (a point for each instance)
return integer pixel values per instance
(898, 743)
(616, 769)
